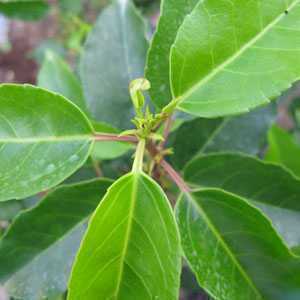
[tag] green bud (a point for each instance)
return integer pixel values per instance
(136, 89)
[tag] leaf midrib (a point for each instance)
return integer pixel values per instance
(222, 242)
(222, 66)
(128, 231)
(30, 140)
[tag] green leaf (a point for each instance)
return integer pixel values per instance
(28, 10)
(108, 150)
(233, 249)
(296, 250)
(283, 149)
(34, 231)
(246, 176)
(43, 139)
(114, 54)
(137, 87)
(173, 13)
(268, 186)
(56, 76)
(245, 133)
(39, 53)
(131, 249)
(10, 209)
(285, 221)
(47, 275)
(232, 56)
(71, 6)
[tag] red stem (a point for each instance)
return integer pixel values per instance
(175, 176)
(166, 132)
(115, 138)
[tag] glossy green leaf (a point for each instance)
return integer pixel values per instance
(131, 249)
(105, 149)
(233, 249)
(36, 230)
(173, 13)
(269, 186)
(245, 133)
(114, 54)
(283, 149)
(28, 10)
(43, 139)
(56, 76)
(231, 56)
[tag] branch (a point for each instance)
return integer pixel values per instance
(173, 174)
(115, 138)
(139, 157)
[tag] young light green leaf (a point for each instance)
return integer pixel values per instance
(136, 89)
(131, 249)
(43, 139)
(245, 133)
(56, 76)
(173, 13)
(28, 10)
(233, 249)
(36, 230)
(232, 56)
(114, 55)
(283, 149)
(105, 150)
(268, 186)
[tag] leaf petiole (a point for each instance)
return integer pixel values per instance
(115, 138)
(139, 157)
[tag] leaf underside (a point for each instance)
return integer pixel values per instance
(56, 76)
(28, 10)
(36, 230)
(114, 54)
